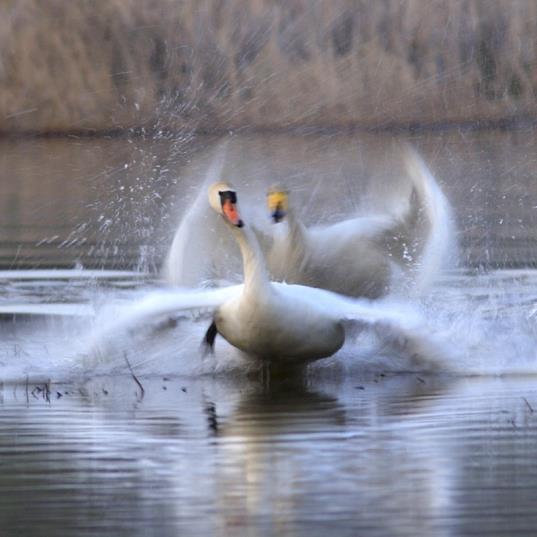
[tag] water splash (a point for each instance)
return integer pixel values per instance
(480, 323)
(484, 324)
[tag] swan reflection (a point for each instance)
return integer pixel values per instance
(288, 452)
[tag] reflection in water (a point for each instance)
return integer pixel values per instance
(297, 460)
(264, 448)
(398, 455)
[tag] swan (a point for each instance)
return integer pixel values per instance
(359, 256)
(276, 322)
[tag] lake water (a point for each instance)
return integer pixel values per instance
(403, 455)
(115, 203)
(139, 435)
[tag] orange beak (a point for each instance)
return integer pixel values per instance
(231, 213)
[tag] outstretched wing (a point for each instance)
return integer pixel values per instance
(202, 248)
(348, 309)
(157, 305)
(438, 242)
(395, 322)
(398, 326)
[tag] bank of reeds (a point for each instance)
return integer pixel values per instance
(226, 64)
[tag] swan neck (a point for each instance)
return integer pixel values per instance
(296, 228)
(255, 274)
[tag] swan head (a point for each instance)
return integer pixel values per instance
(223, 199)
(278, 203)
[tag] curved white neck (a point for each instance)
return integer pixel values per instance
(255, 273)
(290, 233)
(296, 228)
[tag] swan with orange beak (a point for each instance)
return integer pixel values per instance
(276, 322)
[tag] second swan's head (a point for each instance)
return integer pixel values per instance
(223, 199)
(278, 203)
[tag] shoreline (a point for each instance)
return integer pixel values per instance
(510, 123)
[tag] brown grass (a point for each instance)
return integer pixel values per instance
(70, 66)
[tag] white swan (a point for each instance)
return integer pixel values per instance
(272, 321)
(357, 257)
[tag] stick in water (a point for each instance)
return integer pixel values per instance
(133, 375)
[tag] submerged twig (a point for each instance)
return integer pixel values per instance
(133, 375)
(528, 405)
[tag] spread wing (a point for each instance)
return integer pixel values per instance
(201, 245)
(417, 230)
(438, 242)
(203, 249)
(400, 328)
(355, 310)
(395, 323)
(156, 306)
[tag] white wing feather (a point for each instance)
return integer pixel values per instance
(349, 309)
(153, 307)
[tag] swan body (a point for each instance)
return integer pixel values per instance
(282, 327)
(268, 322)
(280, 322)
(288, 324)
(344, 257)
(359, 256)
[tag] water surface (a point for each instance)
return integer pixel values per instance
(405, 455)
(115, 203)
(139, 435)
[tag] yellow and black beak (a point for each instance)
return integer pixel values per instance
(278, 205)
(228, 201)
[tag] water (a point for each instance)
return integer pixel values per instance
(115, 203)
(144, 437)
(411, 455)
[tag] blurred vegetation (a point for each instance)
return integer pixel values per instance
(90, 66)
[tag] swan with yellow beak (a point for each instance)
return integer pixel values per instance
(359, 256)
